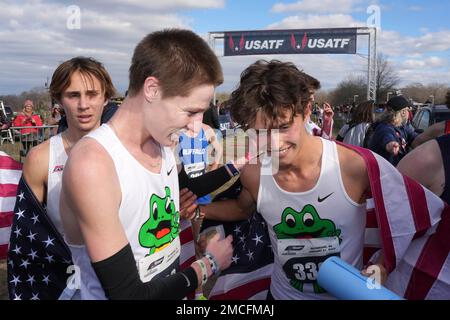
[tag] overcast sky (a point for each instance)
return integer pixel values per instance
(35, 38)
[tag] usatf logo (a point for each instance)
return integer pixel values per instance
(58, 169)
(254, 44)
(319, 43)
(237, 47)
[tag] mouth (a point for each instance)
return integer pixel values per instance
(161, 230)
(282, 150)
(84, 118)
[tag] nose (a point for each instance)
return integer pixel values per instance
(83, 102)
(195, 123)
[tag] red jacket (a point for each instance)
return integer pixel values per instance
(23, 120)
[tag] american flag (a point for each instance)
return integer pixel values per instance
(38, 257)
(408, 222)
(248, 277)
(10, 172)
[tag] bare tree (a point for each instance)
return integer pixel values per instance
(387, 78)
(353, 89)
(322, 96)
(421, 93)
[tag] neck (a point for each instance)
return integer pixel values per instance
(307, 156)
(72, 136)
(128, 122)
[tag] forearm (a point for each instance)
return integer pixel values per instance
(120, 280)
(204, 184)
(226, 210)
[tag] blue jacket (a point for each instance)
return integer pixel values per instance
(385, 133)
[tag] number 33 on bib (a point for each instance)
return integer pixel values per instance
(304, 242)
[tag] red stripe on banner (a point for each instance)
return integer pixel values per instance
(418, 204)
(3, 251)
(371, 219)
(431, 260)
(375, 185)
(6, 162)
(186, 235)
(245, 291)
(8, 190)
(368, 252)
(6, 219)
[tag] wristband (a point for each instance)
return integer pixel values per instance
(232, 170)
(197, 214)
(202, 266)
(213, 262)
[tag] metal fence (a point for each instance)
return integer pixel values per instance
(27, 137)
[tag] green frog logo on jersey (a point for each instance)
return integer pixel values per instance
(163, 225)
(306, 224)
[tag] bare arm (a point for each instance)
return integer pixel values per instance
(424, 165)
(240, 208)
(35, 171)
(431, 132)
(90, 199)
(230, 210)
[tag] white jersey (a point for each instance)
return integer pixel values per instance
(149, 213)
(307, 227)
(355, 135)
(56, 162)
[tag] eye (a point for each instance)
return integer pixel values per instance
(92, 94)
(290, 220)
(155, 211)
(308, 219)
(168, 208)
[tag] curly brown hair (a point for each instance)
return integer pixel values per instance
(273, 87)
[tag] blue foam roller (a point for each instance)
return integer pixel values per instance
(347, 283)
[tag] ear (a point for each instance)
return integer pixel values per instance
(151, 89)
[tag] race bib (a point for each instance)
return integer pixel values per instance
(194, 170)
(162, 263)
(302, 258)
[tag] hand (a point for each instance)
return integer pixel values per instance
(200, 245)
(222, 250)
(382, 276)
(393, 147)
(187, 204)
(328, 110)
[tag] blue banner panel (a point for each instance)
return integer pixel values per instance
(317, 41)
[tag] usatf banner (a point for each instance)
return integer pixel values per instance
(337, 41)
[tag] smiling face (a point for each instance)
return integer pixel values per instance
(284, 140)
(166, 118)
(83, 102)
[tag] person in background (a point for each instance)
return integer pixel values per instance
(393, 136)
(82, 87)
(27, 118)
(354, 132)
